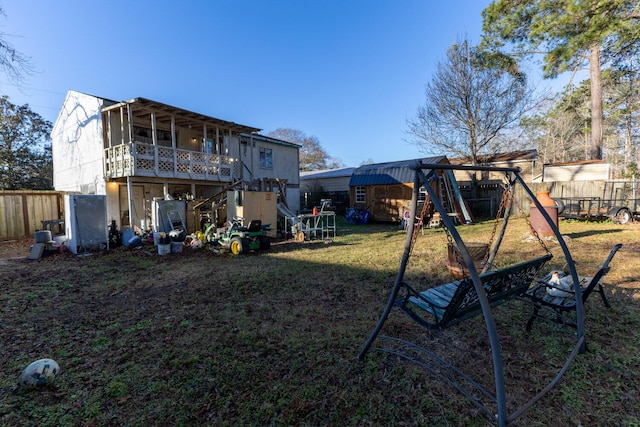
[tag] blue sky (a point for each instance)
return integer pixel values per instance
(348, 72)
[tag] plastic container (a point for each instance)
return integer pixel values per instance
(43, 236)
(176, 247)
(164, 249)
(161, 239)
(127, 235)
(134, 241)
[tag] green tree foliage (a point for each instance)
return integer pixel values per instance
(312, 155)
(469, 105)
(569, 34)
(25, 149)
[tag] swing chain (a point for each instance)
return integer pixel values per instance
(427, 208)
(507, 197)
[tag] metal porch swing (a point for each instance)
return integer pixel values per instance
(476, 292)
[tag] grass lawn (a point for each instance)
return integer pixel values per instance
(198, 338)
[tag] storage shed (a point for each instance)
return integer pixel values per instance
(385, 189)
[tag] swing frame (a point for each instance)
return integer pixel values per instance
(425, 174)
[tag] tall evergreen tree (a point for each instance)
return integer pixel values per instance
(569, 34)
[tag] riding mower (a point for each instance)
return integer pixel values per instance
(236, 238)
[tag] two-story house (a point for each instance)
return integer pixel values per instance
(138, 150)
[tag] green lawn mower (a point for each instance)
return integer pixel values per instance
(237, 238)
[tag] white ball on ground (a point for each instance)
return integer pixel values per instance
(38, 373)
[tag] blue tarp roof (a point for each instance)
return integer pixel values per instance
(399, 172)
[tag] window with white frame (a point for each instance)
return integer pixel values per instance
(361, 195)
(266, 158)
(422, 194)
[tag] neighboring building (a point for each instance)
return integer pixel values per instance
(484, 198)
(325, 184)
(385, 189)
(524, 159)
(585, 170)
(137, 150)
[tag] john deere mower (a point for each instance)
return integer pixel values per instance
(237, 238)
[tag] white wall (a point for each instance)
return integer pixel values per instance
(77, 146)
(578, 172)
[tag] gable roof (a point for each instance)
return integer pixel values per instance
(511, 156)
(399, 172)
(248, 137)
(575, 163)
(327, 173)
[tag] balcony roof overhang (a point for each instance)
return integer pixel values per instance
(142, 108)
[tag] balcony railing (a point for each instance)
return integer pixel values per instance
(141, 159)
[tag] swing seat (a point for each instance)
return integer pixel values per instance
(561, 300)
(451, 303)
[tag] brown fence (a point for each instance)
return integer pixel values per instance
(22, 212)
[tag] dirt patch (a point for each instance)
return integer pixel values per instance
(15, 249)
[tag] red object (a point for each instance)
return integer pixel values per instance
(537, 220)
(315, 211)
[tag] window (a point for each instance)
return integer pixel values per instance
(361, 195)
(208, 147)
(422, 194)
(266, 158)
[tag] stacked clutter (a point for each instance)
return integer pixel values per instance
(164, 243)
(456, 264)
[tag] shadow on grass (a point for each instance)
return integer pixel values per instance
(588, 233)
(290, 246)
(199, 339)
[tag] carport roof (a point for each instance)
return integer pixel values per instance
(143, 107)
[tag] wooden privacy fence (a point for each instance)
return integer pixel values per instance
(22, 212)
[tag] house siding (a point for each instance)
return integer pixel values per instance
(77, 147)
(579, 172)
(96, 151)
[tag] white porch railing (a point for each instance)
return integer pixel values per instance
(141, 159)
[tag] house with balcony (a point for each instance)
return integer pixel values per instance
(139, 150)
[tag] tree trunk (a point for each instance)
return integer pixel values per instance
(627, 145)
(596, 103)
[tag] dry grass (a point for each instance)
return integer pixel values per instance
(271, 339)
